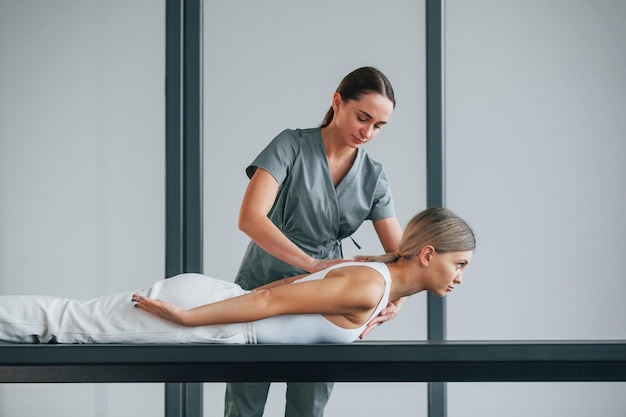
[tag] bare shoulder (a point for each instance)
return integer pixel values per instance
(360, 281)
(355, 270)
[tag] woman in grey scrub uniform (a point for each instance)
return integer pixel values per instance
(308, 190)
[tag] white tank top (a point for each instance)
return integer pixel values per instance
(314, 328)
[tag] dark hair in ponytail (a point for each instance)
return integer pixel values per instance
(358, 83)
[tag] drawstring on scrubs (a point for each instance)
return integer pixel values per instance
(354, 241)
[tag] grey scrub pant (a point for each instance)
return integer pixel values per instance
(302, 399)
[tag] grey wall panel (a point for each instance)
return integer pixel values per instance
(535, 151)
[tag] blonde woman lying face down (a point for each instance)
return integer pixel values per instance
(330, 306)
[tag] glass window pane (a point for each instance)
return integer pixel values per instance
(81, 168)
(274, 65)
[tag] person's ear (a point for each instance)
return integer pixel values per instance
(426, 255)
(337, 101)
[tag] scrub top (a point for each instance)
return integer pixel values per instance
(309, 209)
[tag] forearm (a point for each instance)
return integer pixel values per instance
(240, 309)
(389, 233)
(272, 240)
(245, 308)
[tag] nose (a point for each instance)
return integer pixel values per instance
(367, 132)
(459, 279)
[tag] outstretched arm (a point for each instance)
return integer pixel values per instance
(233, 310)
(179, 315)
(352, 293)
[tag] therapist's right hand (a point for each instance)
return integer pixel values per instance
(320, 264)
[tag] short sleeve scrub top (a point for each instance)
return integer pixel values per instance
(309, 209)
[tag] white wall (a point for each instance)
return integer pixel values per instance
(81, 170)
(536, 97)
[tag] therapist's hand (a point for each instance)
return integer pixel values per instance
(319, 264)
(387, 313)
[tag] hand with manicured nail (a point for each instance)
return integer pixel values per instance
(162, 309)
